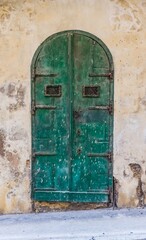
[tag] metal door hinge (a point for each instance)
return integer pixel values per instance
(33, 74)
(110, 195)
(33, 110)
(110, 75)
(110, 109)
(110, 156)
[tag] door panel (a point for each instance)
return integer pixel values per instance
(72, 119)
(93, 122)
(50, 121)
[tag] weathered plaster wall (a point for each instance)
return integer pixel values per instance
(121, 25)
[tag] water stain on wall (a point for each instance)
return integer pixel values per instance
(17, 92)
(2, 142)
(137, 171)
(126, 16)
(5, 10)
(116, 192)
(13, 159)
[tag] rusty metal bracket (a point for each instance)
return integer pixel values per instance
(43, 154)
(109, 75)
(106, 155)
(34, 107)
(52, 75)
(109, 108)
(45, 107)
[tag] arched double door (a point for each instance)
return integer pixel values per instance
(72, 119)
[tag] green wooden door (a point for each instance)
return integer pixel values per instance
(72, 119)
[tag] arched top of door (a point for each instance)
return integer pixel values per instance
(72, 32)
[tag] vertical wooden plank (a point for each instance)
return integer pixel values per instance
(70, 99)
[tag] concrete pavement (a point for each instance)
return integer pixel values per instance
(123, 224)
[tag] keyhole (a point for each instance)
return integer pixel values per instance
(79, 151)
(78, 132)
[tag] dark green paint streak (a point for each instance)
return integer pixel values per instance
(72, 135)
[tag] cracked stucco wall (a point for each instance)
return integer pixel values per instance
(121, 25)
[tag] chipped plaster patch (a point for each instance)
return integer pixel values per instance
(137, 172)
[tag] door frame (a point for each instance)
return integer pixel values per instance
(111, 78)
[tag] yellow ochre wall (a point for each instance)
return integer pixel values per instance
(121, 25)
